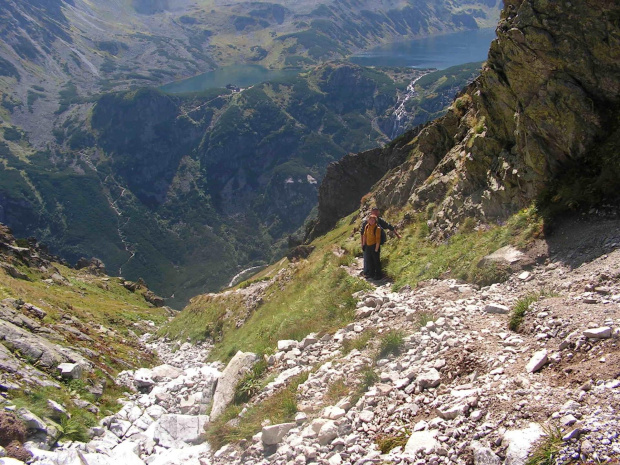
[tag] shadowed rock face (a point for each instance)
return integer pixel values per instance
(347, 180)
(542, 119)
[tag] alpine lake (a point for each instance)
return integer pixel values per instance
(440, 52)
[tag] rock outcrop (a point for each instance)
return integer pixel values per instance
(347, 180)
(237, 368)
(540, 122)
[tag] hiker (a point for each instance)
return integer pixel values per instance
(385, 226)
(371, 243)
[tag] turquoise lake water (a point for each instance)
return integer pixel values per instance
(239, 75)
(438, 52)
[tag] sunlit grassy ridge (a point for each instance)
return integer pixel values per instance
(95, 301)
(312, 295)
(315, 295)
(415, 258)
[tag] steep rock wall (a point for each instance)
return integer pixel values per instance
(542, 119)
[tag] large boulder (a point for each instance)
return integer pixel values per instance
(177, 431)
(273, 434)
(422, 441)
(236, 369)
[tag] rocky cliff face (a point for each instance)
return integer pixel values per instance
(347, 180)
(541, 122)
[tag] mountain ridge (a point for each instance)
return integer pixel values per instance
(513, 136)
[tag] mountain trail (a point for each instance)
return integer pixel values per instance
(425, 375)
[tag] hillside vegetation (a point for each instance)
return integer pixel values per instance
(292, 299)
(53, 314)
(187, 190)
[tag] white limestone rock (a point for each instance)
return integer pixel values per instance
(604, 332)
(193, 455)
(143, 378)
(162, 372)
(273, 434)
(327, 433)
(422, 441)
(366, 416)
(127, 453)
(70, 370)
(496, 308)
(538, 360)
(520, 443)
(484, 455)
(179, 430)
(333, 413)
(429, 379)
(287, 344)
(452, 412)
(236, 369)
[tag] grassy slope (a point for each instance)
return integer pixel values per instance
(314, 295)
(94, 302)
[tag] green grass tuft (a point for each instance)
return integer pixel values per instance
(231, 426)
(359, 343)
(387, 442)
(424, 318)
(522, 305)
(391, 344)
(548, 449)
(251, 383)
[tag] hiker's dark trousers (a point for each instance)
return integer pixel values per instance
(372, 261)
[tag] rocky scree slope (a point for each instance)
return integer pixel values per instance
(540, 123)
(64, 335)
(462, 387)
(458, 387)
